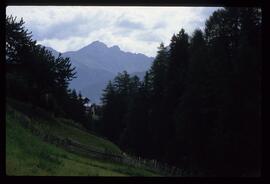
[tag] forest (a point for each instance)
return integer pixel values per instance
(198, 107)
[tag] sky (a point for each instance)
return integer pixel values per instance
(133, 29)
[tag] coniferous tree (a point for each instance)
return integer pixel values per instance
(199, 105)
(34, 75)
(161, 129)
(108, 109)
(176, 84)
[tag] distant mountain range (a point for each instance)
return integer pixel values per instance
(97, 63)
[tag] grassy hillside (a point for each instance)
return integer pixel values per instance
(27, 154)
(46, 123)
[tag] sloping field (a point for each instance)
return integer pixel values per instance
(27, 154)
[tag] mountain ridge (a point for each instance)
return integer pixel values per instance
(96, 64)
(99, 43)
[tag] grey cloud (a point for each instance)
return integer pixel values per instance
(206, 12)
(130, 25)
(159, 25)
(196, 24)
(65, 30)
(123, 32)
(36, 34)
(149, 37)
(119, 24)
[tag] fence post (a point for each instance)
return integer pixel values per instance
(172, 170)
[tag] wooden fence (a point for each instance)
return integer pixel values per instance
(90, 151)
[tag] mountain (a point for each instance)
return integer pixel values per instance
(97, 63)
(54, 52)
(113, 59)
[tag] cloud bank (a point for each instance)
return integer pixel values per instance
(134, 29)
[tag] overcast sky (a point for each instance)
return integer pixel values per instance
(133, 29)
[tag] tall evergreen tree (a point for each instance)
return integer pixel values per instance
(34, 75)
(199, 105)
(157, 84)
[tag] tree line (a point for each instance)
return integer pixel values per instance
(35, 76)
(199, 106)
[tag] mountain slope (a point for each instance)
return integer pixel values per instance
(27, 154)
(96, 64)
(98, 55)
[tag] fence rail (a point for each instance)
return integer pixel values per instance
(75, 146)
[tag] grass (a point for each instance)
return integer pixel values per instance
(64, 128)
(27, 154)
